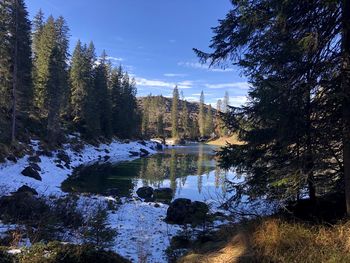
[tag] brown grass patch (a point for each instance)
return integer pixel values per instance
(275, 240)
(222, 141)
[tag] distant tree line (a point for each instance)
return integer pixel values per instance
(178, 118)
(44, 91)
(296, 125)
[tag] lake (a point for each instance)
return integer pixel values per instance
(190, 171)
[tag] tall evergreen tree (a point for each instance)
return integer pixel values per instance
(201, 115)
(209, 125)
(185, 119)
(81, 81)
(51, 73)
(15, 61)
(102, 95)
(294, 100)
(175, 114)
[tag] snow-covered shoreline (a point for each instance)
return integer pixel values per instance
(53, 176)
(140, 226)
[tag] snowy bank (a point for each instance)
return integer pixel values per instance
(53, 176)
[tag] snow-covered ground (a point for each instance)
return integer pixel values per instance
(52, 176)
(141, 230)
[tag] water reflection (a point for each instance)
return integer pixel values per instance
(190, 171)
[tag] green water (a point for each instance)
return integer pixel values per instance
(190, 171)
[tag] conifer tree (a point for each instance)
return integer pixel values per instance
(93, 127)
(51, 73)
(226, 102)
(201, 115)
(102, 95)
(185, 119)
(209, 125)
(15, 61)
(175, 114)
(81, 79)
(160, 126)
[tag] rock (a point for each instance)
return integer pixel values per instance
(12, 158)
(142, 143)
(106, 158)
(200, 211)
(63, 156)
(163, 194)
(145, 192)
(34, 159)
(159, 147)
(178, 211)
(183, 211)
(35, 167)
(107, 151)
(60, 166)
(156, 205)
(131, 153)
(144, 152)
(26, 189)
(32, 173)
(149, 200)
(45, 153)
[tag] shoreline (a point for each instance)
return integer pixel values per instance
(134, 219)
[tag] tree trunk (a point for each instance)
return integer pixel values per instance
(14, 77)
(346, 101)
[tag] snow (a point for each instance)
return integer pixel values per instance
(142, 232)
(52, 176)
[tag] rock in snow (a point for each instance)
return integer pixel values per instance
(32, 173)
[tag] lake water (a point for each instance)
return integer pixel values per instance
(190, 171)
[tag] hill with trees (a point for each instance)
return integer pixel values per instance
(185, 120)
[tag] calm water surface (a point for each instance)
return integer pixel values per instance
(191, 171)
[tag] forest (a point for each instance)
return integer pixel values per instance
(48, 93)
(85, 160)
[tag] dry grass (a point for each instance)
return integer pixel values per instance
(222, 141)
(274, 240)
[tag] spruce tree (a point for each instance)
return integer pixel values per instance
(102, 95)
(201, 115)
(15, 61)
(209, 125)
(93, 128)
(185, 119)
(175, 114)
(293, 124)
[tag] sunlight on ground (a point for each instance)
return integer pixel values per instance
(224, 140)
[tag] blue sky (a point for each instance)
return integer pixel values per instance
(153, 40)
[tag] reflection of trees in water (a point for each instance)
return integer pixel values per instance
(175, 166)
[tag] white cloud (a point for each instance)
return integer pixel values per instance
(115, 59)
(174, 75)
(238, 100)
(197, 65)
(163, 84)
(239, 85)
